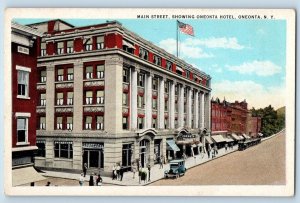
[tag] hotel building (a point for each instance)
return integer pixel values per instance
(106, 96)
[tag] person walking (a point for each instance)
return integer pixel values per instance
(161, 165)
(81, 179)
(48, 183)
(118, 171)
(121, 173)
(91, 181)
(226, 145)
(99, 180)
(84, 169)
(208, 153)
(133, 169)
(149, 169)
(114, 172)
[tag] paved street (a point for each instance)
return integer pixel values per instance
(262, 164)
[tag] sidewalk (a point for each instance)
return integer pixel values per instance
(156, 173)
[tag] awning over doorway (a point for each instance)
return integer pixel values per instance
(236, 137)
(209, 140)
(22, 176)
(246, 136)
(172, 146)
(218, 138)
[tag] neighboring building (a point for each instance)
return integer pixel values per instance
(106, 96)
(253, 126)
(24, 42)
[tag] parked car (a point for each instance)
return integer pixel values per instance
(177, 168)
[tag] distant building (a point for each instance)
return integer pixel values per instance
(24, 42)
(253, 125)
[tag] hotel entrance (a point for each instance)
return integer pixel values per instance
(144, 152)
(93, 154)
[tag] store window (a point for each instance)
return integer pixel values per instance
(63, 149)
(41, 144)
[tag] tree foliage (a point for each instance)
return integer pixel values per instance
(271, 121)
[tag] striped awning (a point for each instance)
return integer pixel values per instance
(172, 146)
(228, 139)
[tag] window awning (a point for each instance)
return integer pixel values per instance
(209, 140)
(172, 146)
(128, 44)
(22, 176)
(236, 137)
(218, 138)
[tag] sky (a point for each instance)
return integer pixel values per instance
(245, 58)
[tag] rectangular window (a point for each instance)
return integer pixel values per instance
(100, 71)
(128, 46)
(41, 152)
(43, 99)
(89, 44)
(70, 75)
(154, 104)
(187, 75)
(140, 123)
(125, 99)
(157, 60)
(42, 123)
(166, 122)
(100, 42)
(23, 81)
(154, 84)
(22, 130)
(70, 45)
(154, 122)
(89, 72)
(88, 97)
(70, 98)
(59, 123)
(69, 123)
(169, 65)
(88, 122)
(100, 97)
(43, 48)
(143, 54)
(176, 123)
(140, 101)
(43, 77)
(141, 80)
(59, 98)
(60, 74)
(166, 105)
(166, 87)
(176, 90)
(63, 150)
(125, 123)
(125, 75)
(60, 48)
(100, 123)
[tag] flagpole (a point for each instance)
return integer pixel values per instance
(177, 38)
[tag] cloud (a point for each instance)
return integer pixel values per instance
(256, 95)
(260, 68)
(213, 42)
(186, 51)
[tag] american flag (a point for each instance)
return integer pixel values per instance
(186, 28)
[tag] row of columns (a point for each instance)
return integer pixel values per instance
(200, 113)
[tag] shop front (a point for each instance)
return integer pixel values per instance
(219, 141)
(188, 144)
(93, 154)
(157, 150)
(144, 153)
(172, 149)
(127, 156)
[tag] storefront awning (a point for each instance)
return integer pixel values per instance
(241, 137)
(236, 137)
(246, 136)
(172, 146)
(218, 138)
(228, 139)
(22, 176)
(209, 140)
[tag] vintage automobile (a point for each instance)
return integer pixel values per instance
(177, 168)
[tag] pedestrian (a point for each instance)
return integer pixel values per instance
(208, 152)
(114, 172)
(149, 169)
(91, 181)
(121, 173)
(48, 183)
(226, 145)
(95, 179)
(84, 169)
(81, 179)
(99, 180)
(118, 171)
(161, 161)
(133, 170)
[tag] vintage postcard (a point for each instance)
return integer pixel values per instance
(166, 102)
